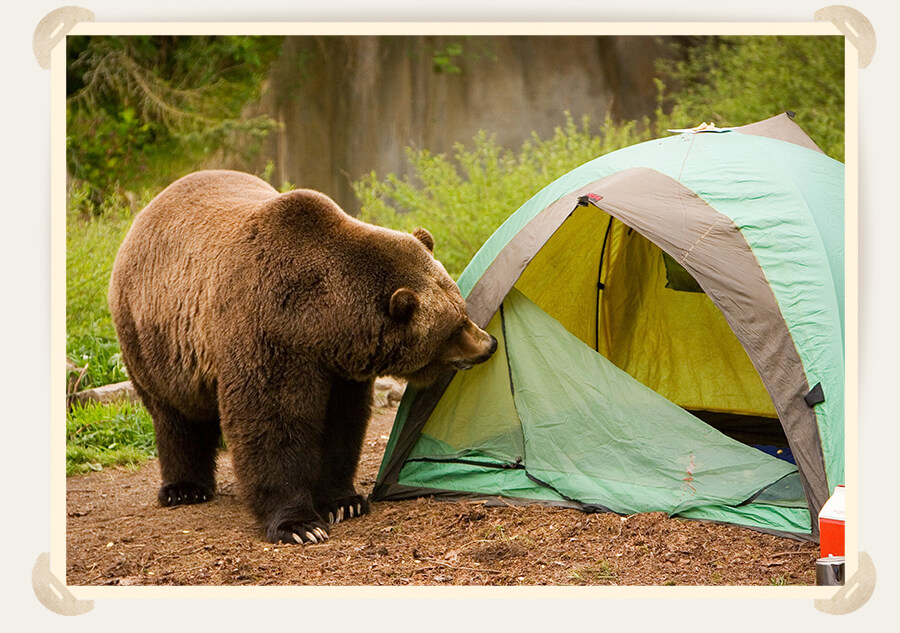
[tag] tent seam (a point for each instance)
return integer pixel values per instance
(712, 226)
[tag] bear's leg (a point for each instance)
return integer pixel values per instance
(276, 453)
(187, 453)
(349, 408)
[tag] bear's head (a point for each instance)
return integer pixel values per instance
(431, 324)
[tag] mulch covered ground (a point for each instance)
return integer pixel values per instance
(118, 535)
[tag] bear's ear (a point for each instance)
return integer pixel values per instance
(425, 237)
(403, 303)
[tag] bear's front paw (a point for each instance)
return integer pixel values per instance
(346, 508)
(308, 532)
(183, 494)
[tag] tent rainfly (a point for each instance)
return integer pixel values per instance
(670, 322)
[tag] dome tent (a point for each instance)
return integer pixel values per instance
(663, 313)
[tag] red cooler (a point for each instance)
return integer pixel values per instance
(831, 525)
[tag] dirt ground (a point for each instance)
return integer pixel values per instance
(118, 535)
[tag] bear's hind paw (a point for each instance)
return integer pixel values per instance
(183, 494)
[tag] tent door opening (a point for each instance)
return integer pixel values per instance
(630, 301)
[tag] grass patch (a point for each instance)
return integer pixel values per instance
(602, 573)
(92, 241)
(101, 435)
(101, 358)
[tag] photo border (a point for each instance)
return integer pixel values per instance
(58, 302)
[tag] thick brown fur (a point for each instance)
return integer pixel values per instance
(266, 317)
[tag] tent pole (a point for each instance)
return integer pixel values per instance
(600, 286)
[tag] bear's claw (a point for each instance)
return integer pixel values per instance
(312, 532)
(317, 535)
(348, 508)
(183, 494)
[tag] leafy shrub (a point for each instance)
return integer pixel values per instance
(142, 110)
(462, 200)
(734, 80)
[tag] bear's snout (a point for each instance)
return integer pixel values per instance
(492, 347)
(475, 346)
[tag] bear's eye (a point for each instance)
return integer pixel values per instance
(458, 329)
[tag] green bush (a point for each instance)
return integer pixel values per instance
(98, 435)
(736, 80)
(142, 110)
(463, 199)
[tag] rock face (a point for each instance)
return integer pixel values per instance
(350, 105)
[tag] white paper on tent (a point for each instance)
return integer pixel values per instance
(703, 127)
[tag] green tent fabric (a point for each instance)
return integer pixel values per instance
(699, 275)
(594, 433)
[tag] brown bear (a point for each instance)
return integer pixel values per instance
(266, 317)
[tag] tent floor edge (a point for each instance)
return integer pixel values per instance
(400, 492)
(795, 536)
